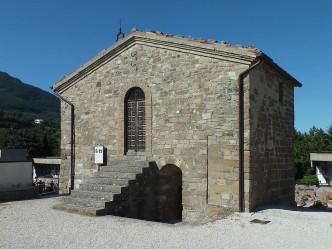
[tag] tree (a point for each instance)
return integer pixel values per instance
(25, 139)
(329, 133)
(46, 147)
(304, 143)
(301, 153)
(18, 130)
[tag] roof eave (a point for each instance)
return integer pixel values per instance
(96, 60)
(272, 64)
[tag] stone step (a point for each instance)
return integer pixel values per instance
(100, 188)
(95, 195)
(115, 175)
(126, 163)
(124, 169)
(85, 194)
(108, 181)
(85, 202)
(90, 211)
(134, 157)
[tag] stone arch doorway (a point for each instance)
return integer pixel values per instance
(135, 134)
(170, 193)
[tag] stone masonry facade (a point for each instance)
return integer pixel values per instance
(270, 152)
(191, 92)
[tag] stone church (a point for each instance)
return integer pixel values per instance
(189, 130)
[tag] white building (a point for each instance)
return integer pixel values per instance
(16, 176)
(323, 163)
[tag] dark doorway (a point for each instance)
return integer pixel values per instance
(170, 193)
(135, 120)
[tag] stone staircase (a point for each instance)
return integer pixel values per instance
(95, 195)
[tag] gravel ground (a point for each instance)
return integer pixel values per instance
(34, 224)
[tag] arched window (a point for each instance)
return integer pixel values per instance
(135, 120)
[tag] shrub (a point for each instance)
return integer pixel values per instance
(308, 180)
(318, 204)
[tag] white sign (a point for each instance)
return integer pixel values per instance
(99, 154)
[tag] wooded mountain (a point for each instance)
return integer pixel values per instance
(20, 97)
(20, 105)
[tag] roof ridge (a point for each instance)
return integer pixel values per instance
(200, 40)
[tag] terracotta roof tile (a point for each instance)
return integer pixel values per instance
(200, 40)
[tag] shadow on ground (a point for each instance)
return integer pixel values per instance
(294, 208)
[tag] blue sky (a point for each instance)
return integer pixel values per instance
(44, 40)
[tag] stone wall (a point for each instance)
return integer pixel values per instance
(193, 116)
(18, 194)
(270, 151)
(64, 182)
(307, 195)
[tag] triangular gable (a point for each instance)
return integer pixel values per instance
(213, 49)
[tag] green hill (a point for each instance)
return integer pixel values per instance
(20, 97)
(20, 105)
